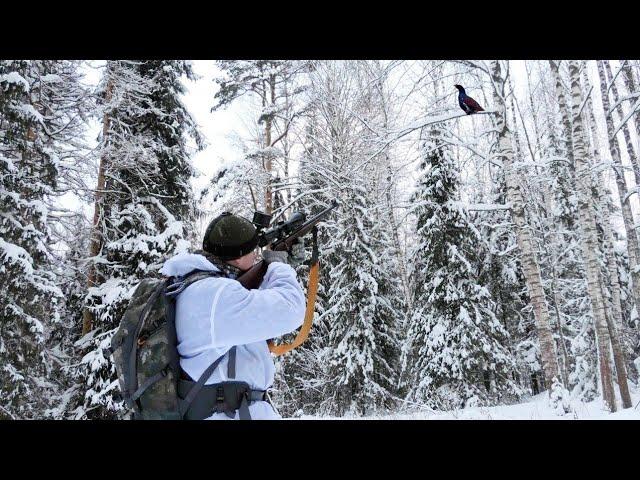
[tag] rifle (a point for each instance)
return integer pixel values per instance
(281, 237)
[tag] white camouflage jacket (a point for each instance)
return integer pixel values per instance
(214, 314)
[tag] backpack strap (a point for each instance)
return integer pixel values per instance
(148, 382)
(171, 293)
(188, 400)
(175, 286)
(231, 365)
(179, 284)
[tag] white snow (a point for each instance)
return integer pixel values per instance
(15, 77)
(51, 78)
(30, 112)
(16, 254)
(537, 408)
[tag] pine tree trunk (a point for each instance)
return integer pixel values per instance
(96, 238)
(633, 246)
(530, 266)
(589, 240)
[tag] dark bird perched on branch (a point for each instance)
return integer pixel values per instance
(468, 104)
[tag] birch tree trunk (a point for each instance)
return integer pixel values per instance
(96, 237)
(633, 246)
(630, 83)
(589, 240)
(562, 357)
(614, 324)
(633, 158)
(602, 215)
(530, 266)
(566, 121)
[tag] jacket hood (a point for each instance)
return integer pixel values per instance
(184, 263)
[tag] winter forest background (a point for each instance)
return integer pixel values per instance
(473, 261)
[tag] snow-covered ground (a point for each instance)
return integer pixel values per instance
(537, 408)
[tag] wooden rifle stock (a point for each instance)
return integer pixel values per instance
(252, 278)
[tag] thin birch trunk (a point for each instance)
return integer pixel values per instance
(614, 319)
(547, 207)
(602, 201)
(566, 121)
(589, 240)
(633, 158)
(630, 83)
(633, 246)
(530, 266)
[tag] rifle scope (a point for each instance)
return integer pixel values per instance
(280, 230)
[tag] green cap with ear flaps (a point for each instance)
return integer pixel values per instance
(230, 236)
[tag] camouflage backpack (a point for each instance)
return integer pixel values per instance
(145, 350)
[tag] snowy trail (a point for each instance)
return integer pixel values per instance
(535, 409)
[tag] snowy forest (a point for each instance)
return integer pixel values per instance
(474, 261)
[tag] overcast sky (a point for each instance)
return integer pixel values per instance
(217, 127)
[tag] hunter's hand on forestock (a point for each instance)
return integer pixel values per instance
(296, 253)
(270, 256)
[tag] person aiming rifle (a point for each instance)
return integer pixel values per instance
(230, 306)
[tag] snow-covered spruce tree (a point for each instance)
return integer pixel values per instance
(455, 350)
(143, 207)
(33, 112)
(360, 348)
(362, 344)
(66, 103)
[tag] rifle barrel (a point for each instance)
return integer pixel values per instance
(306, 226)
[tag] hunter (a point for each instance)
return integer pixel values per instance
(218, 318)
